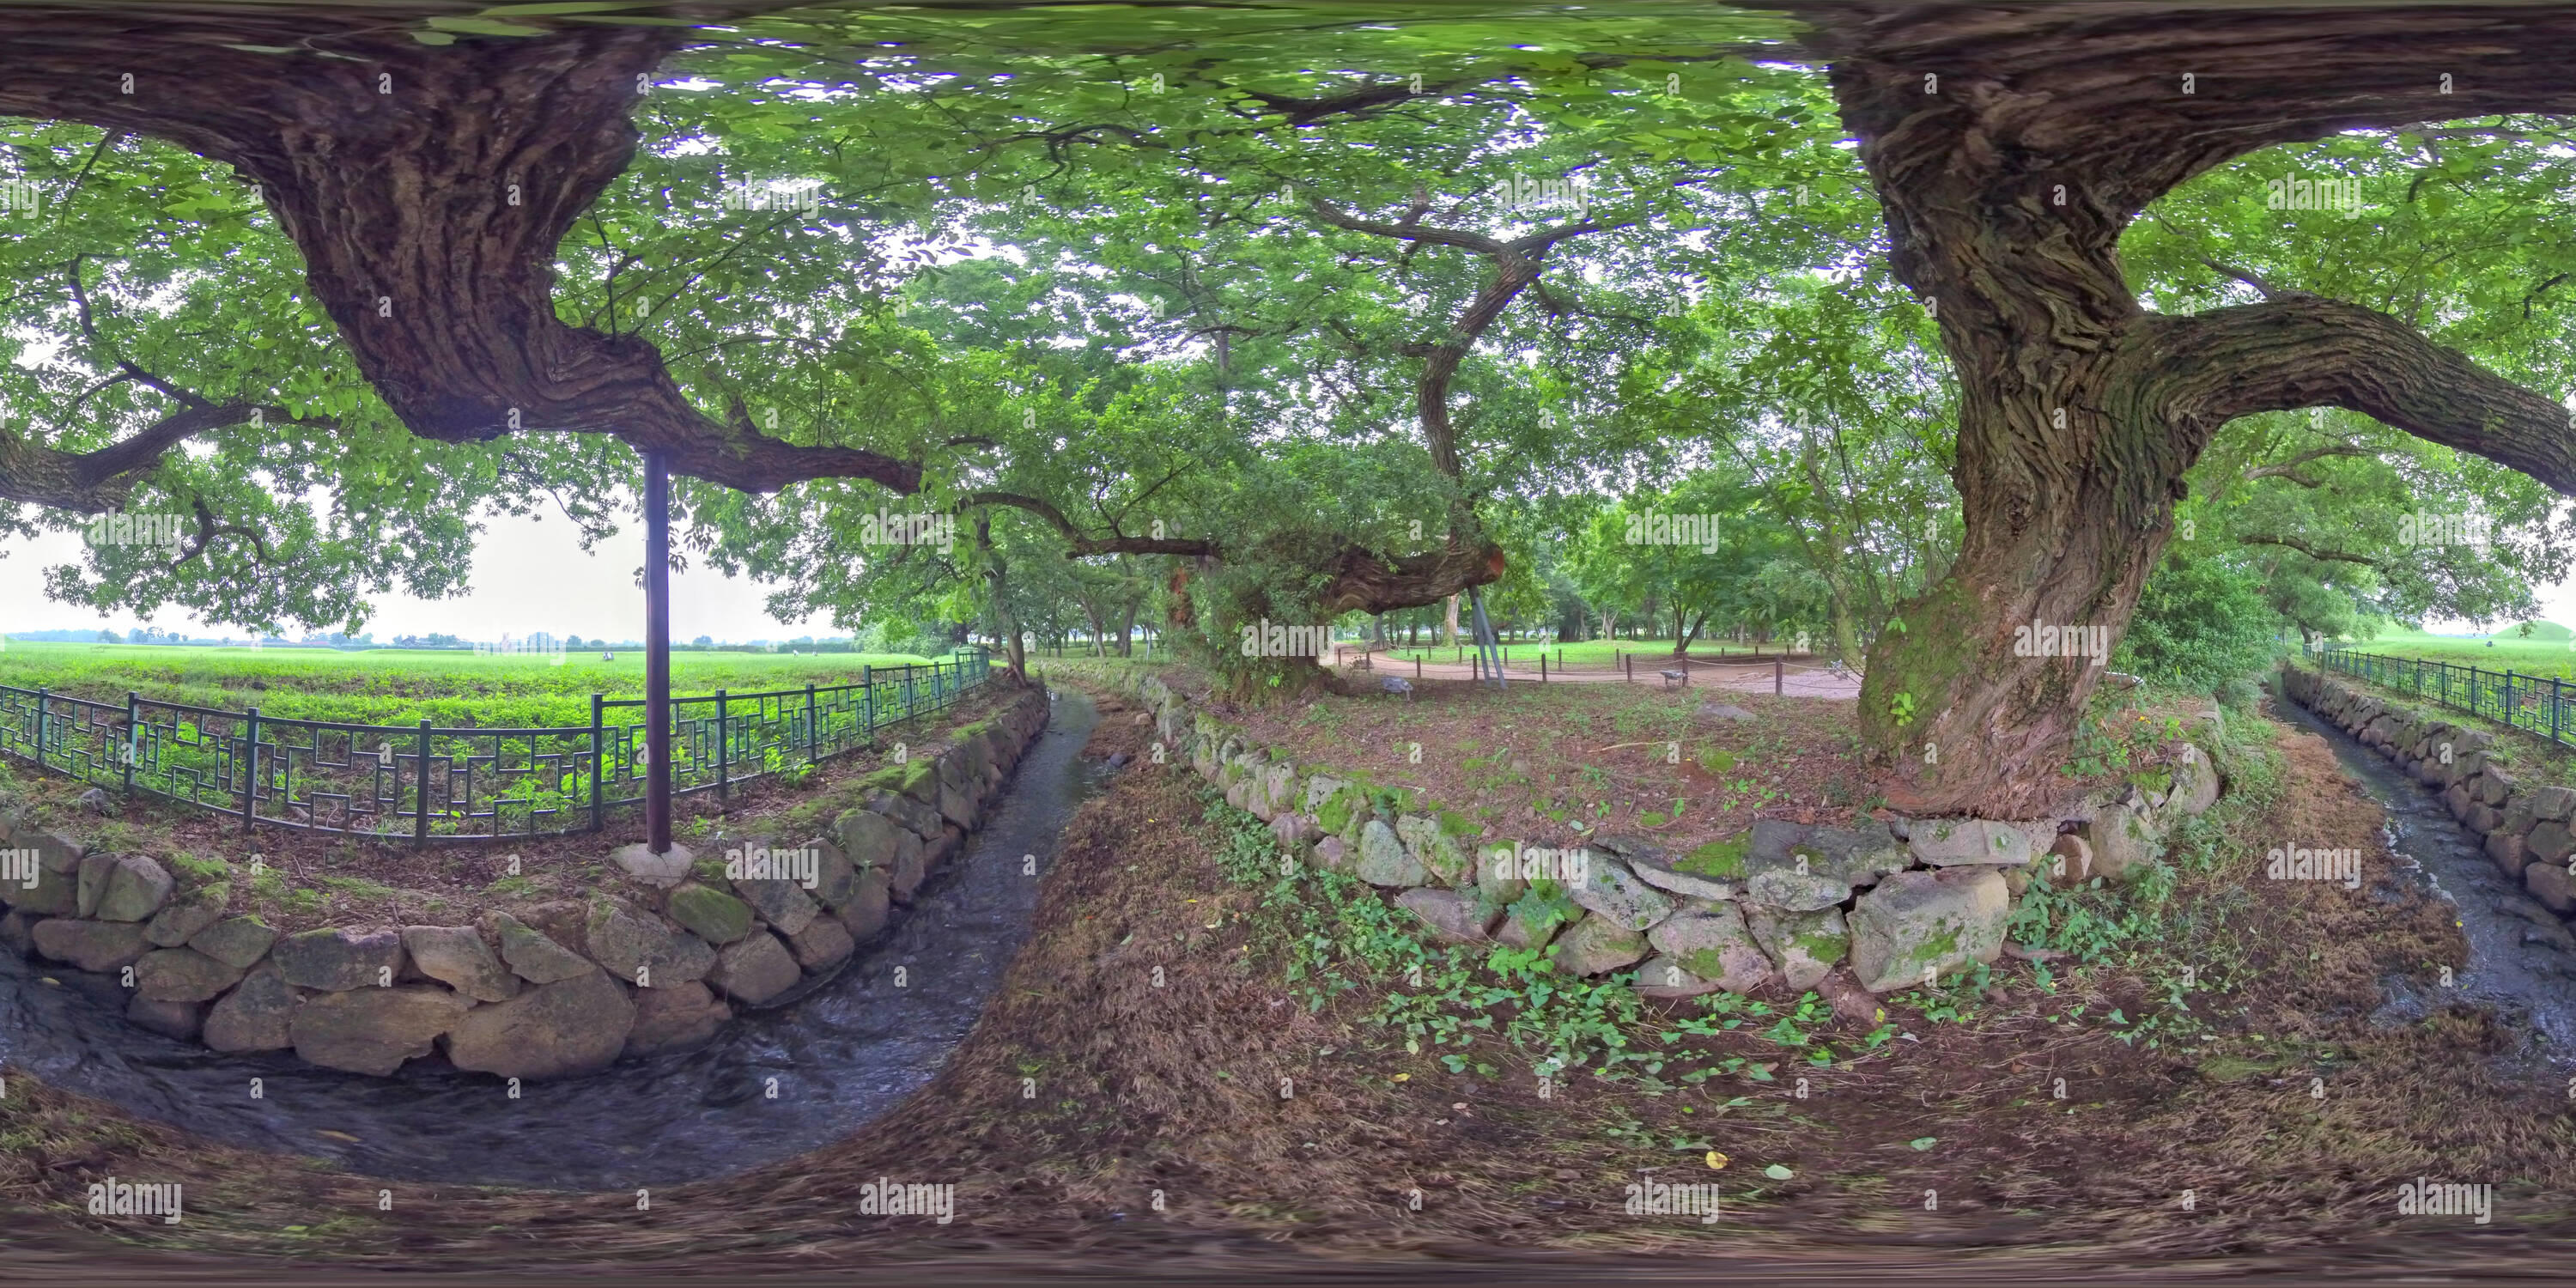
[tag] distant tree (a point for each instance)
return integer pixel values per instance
(703, 641)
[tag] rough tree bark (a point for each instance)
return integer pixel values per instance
(2009, 146)
(427, 188)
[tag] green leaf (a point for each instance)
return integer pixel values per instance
(1777, 1172)
(1922, 1143)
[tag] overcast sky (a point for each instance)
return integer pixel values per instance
(528, 576)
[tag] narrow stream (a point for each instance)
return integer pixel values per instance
(841, 1056)
(2522, 960)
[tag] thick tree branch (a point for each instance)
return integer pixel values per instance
(2283, 354)
(1077, 543)
(2320, 553)
(2289, 469)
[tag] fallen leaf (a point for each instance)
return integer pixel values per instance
(1716, 1161)
(1777, 1172)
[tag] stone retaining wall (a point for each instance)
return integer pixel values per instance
(655, 961)
(2527, 829)
(1890, 904)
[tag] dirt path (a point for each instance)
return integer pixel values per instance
(1121, 1103)
(1798, 679)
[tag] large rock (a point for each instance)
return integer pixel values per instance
(256, 1015)
(2196, 782)
(176, 1020)
(136, 888)
(755, 969)
(1713, 945)
(780, 903)
(457, 957)
(2550, 842)
(2548, 882)
(553, 1030)
(835, 881)
(337, 959)
(1437, 851)
(1935, 922)
(55, 894)
(2123, 839)
(1597, 946)
(639, 950)
(1534, 919)
(1609, 890)
(1807, 945)
(709, 913)
(1665, 977)
(911, 866)
(182, 975)
(868, 838)
(1942, 842)
(661, 871)
(2556, 804)
(1712, 871)
(1803, 868)
(677, 1018)
(920, 818)
(181, 919)
(92, 878)
(535, 956)
(373, 1030)
(1383, 860)
(235, 941)
(90, 945)
(823, 944)
(1453, 916)
(867, 911)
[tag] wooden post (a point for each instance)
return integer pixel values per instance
(657, 654)
(1629, 660)
(1779, 678)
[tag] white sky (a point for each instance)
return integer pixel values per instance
(528, 576)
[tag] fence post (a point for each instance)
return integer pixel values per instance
(1417, 666)
(41, 703)
(1629, 661)
(420, 824)
(598, 761)
(250, 777)
(1779, 678)
(907, 690)
(2553, 708)
(1542, 666)
(868, 703)
(724, 751)
(813, 737)
(133, 742)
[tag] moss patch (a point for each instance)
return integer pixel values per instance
(1717, 858)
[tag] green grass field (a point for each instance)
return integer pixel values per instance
(2536, 655)
(402, 686)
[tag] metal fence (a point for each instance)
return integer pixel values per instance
(2543, 705)
(433, 784)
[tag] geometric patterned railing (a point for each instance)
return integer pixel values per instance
(2541, 704)
(476, 784)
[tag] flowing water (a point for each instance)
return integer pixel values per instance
(2522, 960)
(773, 1084)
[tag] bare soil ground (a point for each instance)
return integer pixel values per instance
(1170, 1084)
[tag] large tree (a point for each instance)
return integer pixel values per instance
(2010, 146)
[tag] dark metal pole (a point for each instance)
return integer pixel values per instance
(598, 758)
(657, 653)
(250, 775)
